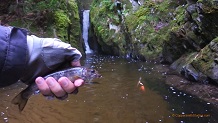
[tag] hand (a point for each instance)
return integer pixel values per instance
(59, 88)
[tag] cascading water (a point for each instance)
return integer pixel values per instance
(85, 31)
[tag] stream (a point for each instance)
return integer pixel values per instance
(114, 98)
(117, 97)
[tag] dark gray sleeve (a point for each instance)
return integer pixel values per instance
(46, 56)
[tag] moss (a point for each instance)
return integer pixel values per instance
(17, 23)
(75, 30)
(67, 23)
(142, 15)
(208, 6)
(73, 9)
(61, 19)
(45, 16)
(180, 15)
(101, 13)
(205, 59)
(62, 22)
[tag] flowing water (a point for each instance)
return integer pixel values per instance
(85, 31)
(114, 98)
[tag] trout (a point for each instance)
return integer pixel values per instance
(71, 73)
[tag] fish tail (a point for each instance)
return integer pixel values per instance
(20, 100)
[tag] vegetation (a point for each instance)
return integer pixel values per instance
(45, 18)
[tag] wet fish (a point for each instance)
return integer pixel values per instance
(71, 73)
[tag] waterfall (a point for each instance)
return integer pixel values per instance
(86, 30)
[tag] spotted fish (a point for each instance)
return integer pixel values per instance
(71, 73)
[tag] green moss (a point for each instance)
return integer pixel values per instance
(73, 9)
(17, 23)
(142, 15)
(62, 22)
(42, 17)
(205, 60)
(75, 30)
(102, 13)
(180, 15)
(61, 19)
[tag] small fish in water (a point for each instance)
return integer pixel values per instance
(71, 73)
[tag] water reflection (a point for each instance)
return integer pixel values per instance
(115, 98)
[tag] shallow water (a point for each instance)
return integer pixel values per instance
(114, 98)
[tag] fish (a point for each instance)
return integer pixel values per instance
(72, 74)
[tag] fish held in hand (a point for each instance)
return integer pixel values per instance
(71, 73)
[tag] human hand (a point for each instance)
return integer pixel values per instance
(60, 88)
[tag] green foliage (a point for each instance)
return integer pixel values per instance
(73, 9)
(138, 17)
(49, 18)
(62, 22)
(101, 12)
(32, 5)
(179, 15)
(61, 19)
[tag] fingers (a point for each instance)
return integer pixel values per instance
(78, 82)
(43, 86)
(59, 88)
(55, 87)
(66, 84)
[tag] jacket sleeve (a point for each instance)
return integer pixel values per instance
(13, 54)
(47, 55)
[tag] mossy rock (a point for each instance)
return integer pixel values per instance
(103, 14)
(67, 23)
(62, 22)
(207, 60)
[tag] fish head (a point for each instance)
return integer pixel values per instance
(90, 74)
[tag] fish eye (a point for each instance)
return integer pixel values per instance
(92, 71)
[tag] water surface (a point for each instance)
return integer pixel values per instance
(114, 98)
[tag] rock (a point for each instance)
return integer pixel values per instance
(183, 66)
(206, 61)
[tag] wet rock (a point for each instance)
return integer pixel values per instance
(183, 66)
(197, 30)
(189, 72)
(206, 61)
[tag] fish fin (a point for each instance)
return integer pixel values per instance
(20, 101)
